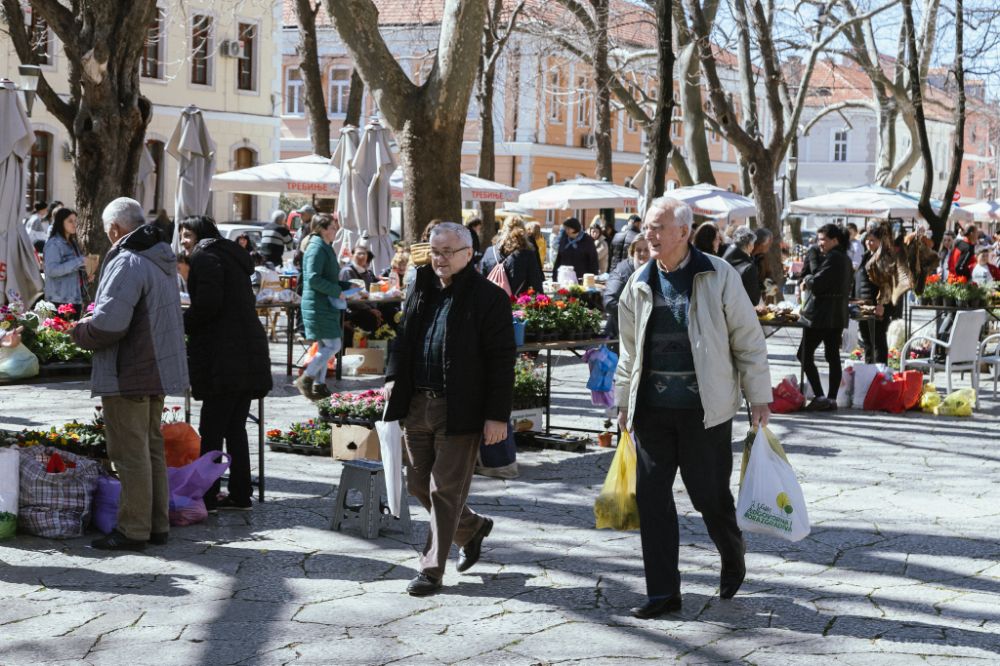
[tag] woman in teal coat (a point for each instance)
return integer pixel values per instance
(320, 288)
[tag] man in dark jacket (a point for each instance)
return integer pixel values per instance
(275, 239)
(137, 335)
(622, 240)
(738, 256)
(451, 377)
(576, 249)
(228, 357)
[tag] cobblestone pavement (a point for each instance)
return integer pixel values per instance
(901, 566)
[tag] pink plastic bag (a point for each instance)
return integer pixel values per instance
(194, 479)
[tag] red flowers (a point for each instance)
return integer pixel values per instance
(66, 309)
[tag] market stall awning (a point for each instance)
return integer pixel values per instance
(473, 189)
(868, 201)
(586, 193)
(984, 211)
(714, 202)
(311, 174)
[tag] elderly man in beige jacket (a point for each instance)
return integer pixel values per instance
(690, 341)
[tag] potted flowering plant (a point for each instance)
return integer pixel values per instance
(893, 359)
(381, 337)
(357, 408)
(529, 385)
(308, 437)
(46, 331)
(933, 290)
(955, 290)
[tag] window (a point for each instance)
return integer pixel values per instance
(676, 118)
(555, 106)
(155, 149)
(243, 203)
(840, 146)
(38, 169)
(970, 176)
(201, 49)
(246, 75)
(340, 90)
(293, 92)
(150, 65)
(583, 113)
(41, 40)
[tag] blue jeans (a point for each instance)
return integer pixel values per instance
(318, 366)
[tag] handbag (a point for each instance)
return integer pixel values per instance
(498, 275)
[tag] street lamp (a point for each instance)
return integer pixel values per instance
(29, 84)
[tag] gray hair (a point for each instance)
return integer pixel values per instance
(763, 235)
(744, 237)
(682, 212)
(125, 213)
(457, 230)
(278, 217)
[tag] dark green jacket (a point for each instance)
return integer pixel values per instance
(320, 280)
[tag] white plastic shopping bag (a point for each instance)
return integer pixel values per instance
(390, 439)
(771, 500)
(864, 375)
(10, 475)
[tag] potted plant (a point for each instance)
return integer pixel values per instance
(355, 408)
(529, 385)
(932, 290)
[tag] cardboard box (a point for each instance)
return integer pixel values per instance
(374, 363)
(528, 419)
(351, 442)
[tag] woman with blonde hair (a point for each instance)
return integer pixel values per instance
(520, 262)
(537, 239)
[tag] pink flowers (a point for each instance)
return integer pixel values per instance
(90, 308)
(66, 309)
(56, 324)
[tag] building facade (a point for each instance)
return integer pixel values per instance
(220, 55)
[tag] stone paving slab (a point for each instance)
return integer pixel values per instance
(900, 568)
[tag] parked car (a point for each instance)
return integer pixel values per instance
(233, 230)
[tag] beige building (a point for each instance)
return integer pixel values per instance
(220, 55)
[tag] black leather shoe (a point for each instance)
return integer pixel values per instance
(470, 552)
(118, 541)
(423, 585)
(732, 576)
(656, 608)
(158, 538)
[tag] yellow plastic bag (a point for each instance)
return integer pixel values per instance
(616, 508)
(958, 403)
(930, 399)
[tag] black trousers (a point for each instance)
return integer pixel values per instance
(873, 339)
(668, 439)
(811, 339)
(224, 417)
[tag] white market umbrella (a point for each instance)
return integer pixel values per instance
(474, 188)
(343, 156)
(310, 174)
(372, 167)
(145, 179)
(579, 193)
(194, 151)
(714, 202)
(639, 183)
(866, 201)
(984, 211)
(19, 272)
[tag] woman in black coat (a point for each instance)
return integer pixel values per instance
(228, 358)
(520, 261)
(576, 249)
(824, 313)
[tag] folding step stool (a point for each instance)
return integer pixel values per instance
(368, 477)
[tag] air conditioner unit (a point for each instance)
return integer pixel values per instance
(230, 48)
(588, 141)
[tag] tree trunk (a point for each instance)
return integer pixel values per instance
(886, 157)
(355, 100)
(794, 221)
(695, 142)
(312, 78)
(660, 145)
(761, 172)
(487, 151)
(431, 159)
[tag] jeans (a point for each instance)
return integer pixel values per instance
(224, 417)
(439, 476)
(135, 446)
(811, 339)
(318, 366)
(667, 440)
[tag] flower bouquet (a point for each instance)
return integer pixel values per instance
(354, 408)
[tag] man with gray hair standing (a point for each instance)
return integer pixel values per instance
(451, 380)
(137, 336)
(689, 340)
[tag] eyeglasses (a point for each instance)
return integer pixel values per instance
(447, 254)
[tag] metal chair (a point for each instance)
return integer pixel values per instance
(990, 359)
(961, 352)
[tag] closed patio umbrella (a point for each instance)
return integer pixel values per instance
(145, 179)
(347, 147)
(194, 151)
(19, 272)
(372, 169)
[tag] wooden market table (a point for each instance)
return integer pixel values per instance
(561, 345)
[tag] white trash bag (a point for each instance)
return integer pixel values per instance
(770, 500)
(10, 475)
(390, 439)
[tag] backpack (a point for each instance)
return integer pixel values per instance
(498, 275)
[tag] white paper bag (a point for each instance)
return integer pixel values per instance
(10, 469)
(390, 439)
(864, 375)
(771, 500)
